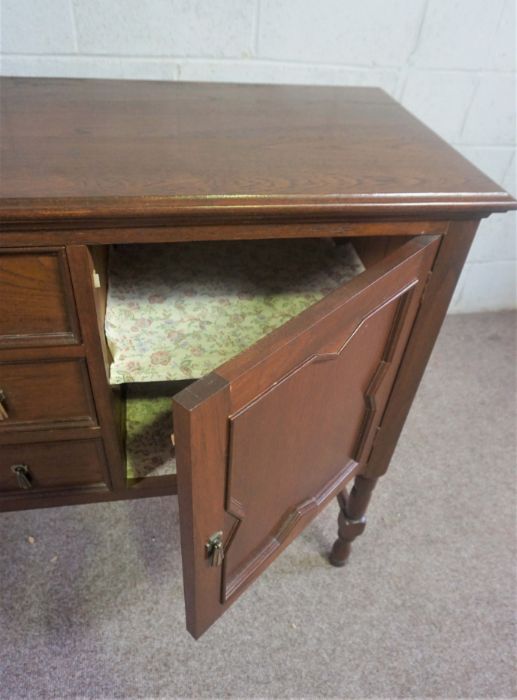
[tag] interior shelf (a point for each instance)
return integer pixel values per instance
(179, 311)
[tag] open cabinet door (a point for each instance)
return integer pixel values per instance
(265, 441)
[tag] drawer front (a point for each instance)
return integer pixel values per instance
(51, 466)
(36, 300)
(50, 394)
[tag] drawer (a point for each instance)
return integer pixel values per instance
(49, 394)
(52, 466)
(36, 300)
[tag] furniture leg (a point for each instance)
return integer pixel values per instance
(447, 267)
(351, 519)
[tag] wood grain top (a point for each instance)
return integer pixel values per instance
(85, 150)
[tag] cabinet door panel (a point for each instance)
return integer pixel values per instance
(266, 440)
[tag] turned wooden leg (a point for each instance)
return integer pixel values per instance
(351, 519)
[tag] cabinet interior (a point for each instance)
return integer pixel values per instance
(149, 428)
(223, 299)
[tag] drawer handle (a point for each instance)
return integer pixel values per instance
(3, 409)
(23, 475)
(214, 548)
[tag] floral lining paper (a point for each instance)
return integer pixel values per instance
(149, 451)
(178, 311)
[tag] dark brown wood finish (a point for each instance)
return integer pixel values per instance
(82, 271)
(264, 443)
(29, 398)
(112, 151)
(61, 434)
(442, 281)
(163, 231)
(351, 519)
(293, 418)
(100, 262)
(29, 500)
(53, 466)
(446, 271)
(201, 435)
(36, 303)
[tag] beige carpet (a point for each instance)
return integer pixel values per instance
(93, 607)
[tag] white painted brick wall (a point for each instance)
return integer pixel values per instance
(451, 62)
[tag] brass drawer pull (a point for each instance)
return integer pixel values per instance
(214, 549)
(3, 408)
(23, 475)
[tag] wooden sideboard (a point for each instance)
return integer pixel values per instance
(266, 440)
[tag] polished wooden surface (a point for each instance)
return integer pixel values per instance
(36, 303)
(271, 436)
(155, 230)
(54, 465)
(264, 443)
(50, 393)
(351, 518)
(454, 248)
(80, 150)
(89, 305)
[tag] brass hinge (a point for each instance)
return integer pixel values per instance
(214, 548)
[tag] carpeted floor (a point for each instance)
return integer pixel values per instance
(93, 606)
